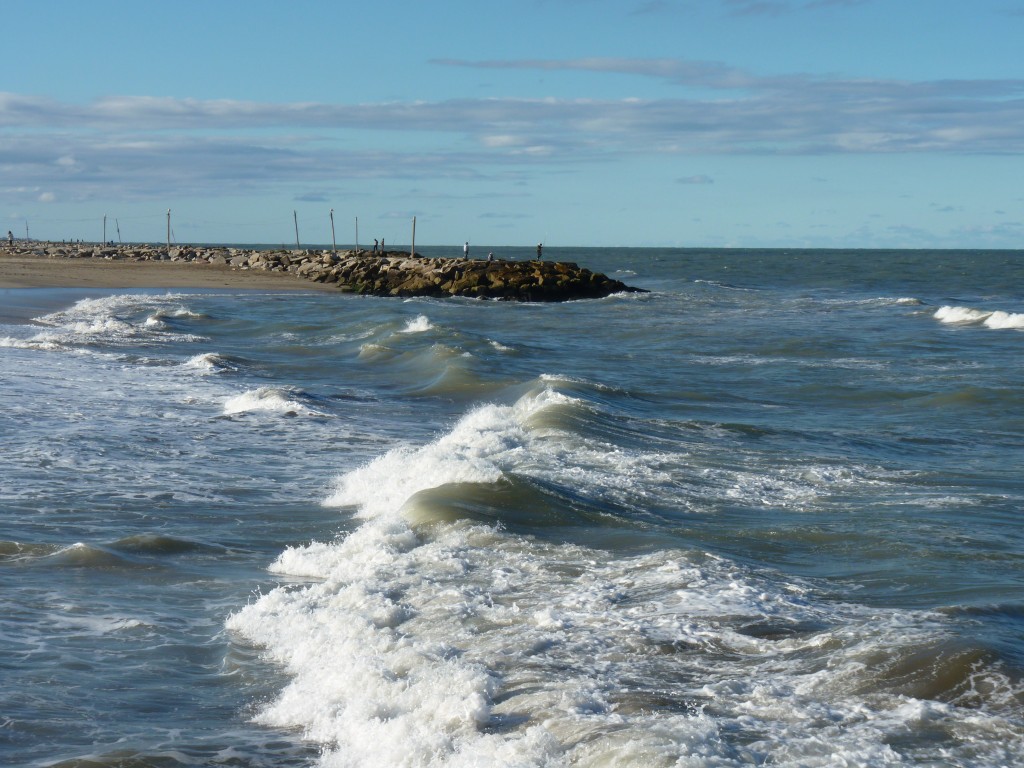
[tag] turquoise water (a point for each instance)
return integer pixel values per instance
(766, 514)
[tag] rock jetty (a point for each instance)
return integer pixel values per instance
(392, 273)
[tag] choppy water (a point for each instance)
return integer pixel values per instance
(767, 514)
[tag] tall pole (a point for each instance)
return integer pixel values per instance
(168, 231)
(295, 214)
(413, 254)
(26, 230)
(334, 243)
(357, 235)
(104, 229)
(118, 225)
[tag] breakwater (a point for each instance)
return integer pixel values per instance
(391, 273)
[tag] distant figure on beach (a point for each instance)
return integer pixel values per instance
(540, 249)
(490, 256)
(465, 250)
(375, 245)
(10, 237)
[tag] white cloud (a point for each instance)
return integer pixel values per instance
(505, 140)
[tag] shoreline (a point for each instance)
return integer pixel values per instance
(391, 273)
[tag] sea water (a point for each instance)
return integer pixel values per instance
(768, 513)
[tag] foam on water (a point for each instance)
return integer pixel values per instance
(459, 644)
(36, 342)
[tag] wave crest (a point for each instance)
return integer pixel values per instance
(269, 400)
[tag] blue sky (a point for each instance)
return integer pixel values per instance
(748, 123)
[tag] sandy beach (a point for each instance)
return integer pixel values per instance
(27, 271)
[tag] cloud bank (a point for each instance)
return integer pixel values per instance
(148, 145)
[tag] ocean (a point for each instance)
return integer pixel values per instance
(768, 513)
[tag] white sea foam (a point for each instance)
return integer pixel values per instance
(965, 315)
(111, 320)
(267, 399)
(463, 645)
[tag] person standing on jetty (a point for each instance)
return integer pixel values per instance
(375, 245)
(540, 249)
(10, 239)
(465, 250)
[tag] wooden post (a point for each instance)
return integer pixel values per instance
(334, 243)
(295, 215)
(117, 224)
(413, 254)
(168, 231)
(104, 229)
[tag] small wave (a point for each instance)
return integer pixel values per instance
(178, 313)
(373, 351)
(437, 369)
(726, 286)
(209, 362)
(81, 555)
(16, 550)
(880, 301)
(270, 400)
(465, 455)
(964, 315)
(155, 544)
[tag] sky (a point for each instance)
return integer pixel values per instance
(654, 123)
